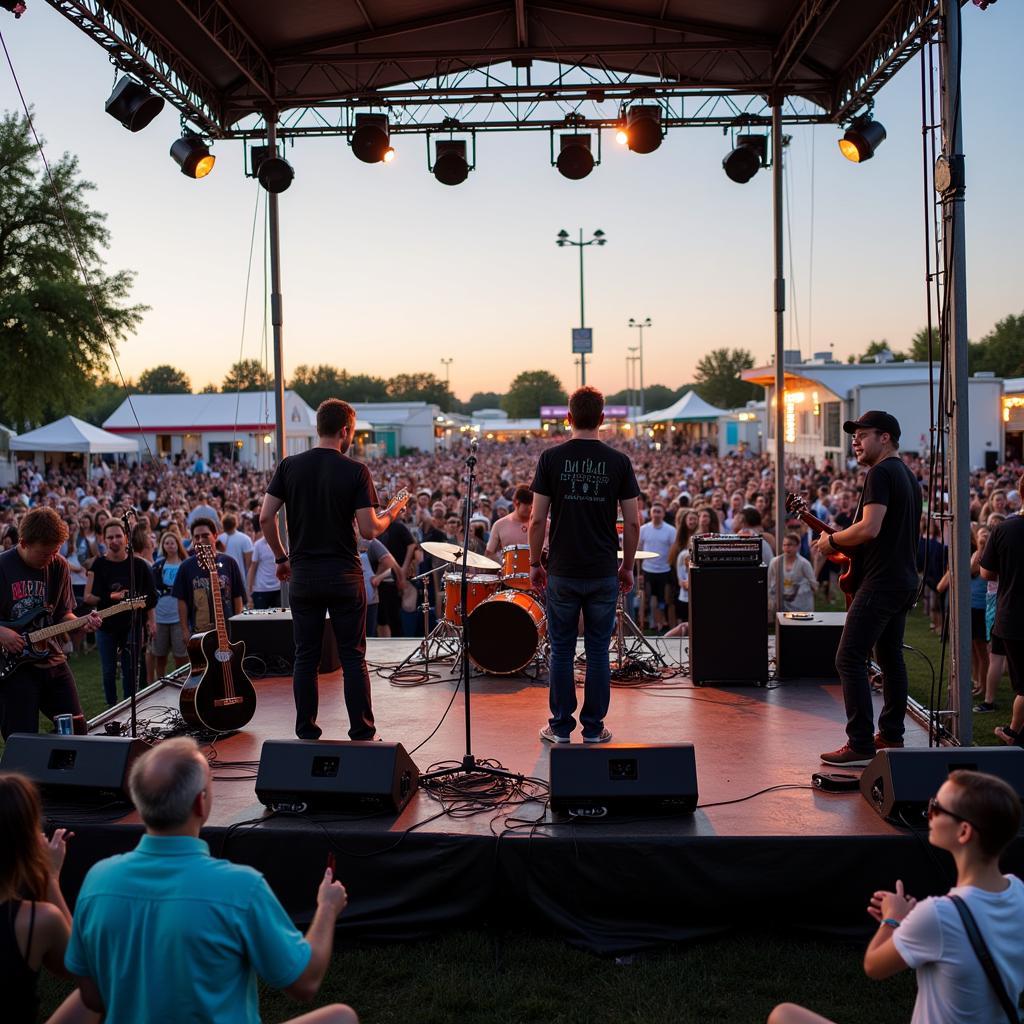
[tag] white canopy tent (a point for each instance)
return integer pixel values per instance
(71, 434)
(690, 408)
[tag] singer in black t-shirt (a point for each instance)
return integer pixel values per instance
(583, 482)
(882, 541)
(325, 495)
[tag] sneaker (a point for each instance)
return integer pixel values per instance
(846, 756)
(549, 737)
(983, 707)
(883, 744)
(604, 736)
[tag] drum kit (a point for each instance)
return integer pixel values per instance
(507, 623)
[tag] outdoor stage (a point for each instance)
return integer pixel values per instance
(794, 858)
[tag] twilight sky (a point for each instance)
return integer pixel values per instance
(387, 271)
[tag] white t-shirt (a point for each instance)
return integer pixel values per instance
(951, 984)
(265, 579)
(237, 545)
(659, 539)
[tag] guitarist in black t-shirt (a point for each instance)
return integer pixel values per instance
(324, 493)
(34, 578)
(883, 545)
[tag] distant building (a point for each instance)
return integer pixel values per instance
(821, 394)
(1013, 417)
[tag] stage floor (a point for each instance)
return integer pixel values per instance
(795, 856)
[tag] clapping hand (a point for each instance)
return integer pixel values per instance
(896, 904)
(56, 848)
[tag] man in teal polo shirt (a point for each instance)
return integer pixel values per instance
(169, 933)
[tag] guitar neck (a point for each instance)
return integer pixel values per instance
(70, 625)
(816, 524)
(218, 607)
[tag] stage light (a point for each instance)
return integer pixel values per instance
(643, 127)
(133, 104)
(861, 139)
(389, 154)
(450, 164)
(622, 136)
(749, 156)
(275, 173)
(193, 156)
(370, 140)
(575, 160)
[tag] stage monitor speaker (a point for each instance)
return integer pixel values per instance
(86, 768)
(268, 634)
(729, 625)
(806, 648)
(327, 776)
(616, 778)
(898, 782)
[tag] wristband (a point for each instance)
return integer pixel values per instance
(281, 560)
(891, 922)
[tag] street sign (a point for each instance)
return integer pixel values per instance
(582, 340)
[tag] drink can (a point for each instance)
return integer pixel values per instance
(64, 725)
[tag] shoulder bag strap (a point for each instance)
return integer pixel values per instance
(985, 958)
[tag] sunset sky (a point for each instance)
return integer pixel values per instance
(387, 271)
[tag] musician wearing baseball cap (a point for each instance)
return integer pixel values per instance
(882, 544)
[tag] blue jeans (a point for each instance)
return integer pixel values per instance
(596, 599)
(109, 645)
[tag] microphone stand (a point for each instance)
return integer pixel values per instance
(470, 765)
(133, 645)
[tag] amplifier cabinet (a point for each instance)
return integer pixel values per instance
(269, 633)
(806, 648)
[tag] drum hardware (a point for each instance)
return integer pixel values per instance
(632, 646)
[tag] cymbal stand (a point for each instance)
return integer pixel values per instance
(636, 641)
(444, 640)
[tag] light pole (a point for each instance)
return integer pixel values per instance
(631, 361)
(564, 239)
(447, 364)
(640, 325)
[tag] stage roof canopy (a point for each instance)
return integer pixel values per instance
(222, 64)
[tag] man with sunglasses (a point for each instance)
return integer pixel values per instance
(882, 541)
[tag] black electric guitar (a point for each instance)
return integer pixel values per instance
(34, 645)
(848, 575)
(218, 695)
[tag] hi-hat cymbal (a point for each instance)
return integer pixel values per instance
(640, 555)
(453, 553)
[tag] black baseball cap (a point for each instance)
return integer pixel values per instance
(875, 419)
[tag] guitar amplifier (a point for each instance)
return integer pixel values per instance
(708, 549)
(268, 633)
(806, 648)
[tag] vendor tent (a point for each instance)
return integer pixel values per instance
(691, 408)
(71, 434)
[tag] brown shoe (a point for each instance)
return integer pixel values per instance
(847, 757)
(881, 743)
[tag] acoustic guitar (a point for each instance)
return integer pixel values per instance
(33, 638)
(848, 576)
(218, 696)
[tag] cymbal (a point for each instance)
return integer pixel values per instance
(453, 553)
(640, 555)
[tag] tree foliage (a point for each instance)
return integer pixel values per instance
(315, 384)
(164, 380)
(480, 400)
(104, 397)
(55, 328)
(717, 379)
(420, 387)
(247, 375)
(1001, 350)
(877, 348)
(529, 391)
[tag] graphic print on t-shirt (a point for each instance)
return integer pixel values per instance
(584, 479)
(27, 596)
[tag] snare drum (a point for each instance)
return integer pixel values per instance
(478, 589)
(504, 632)
(515, 561)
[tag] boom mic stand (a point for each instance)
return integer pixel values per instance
(133, 638)
(470, 765)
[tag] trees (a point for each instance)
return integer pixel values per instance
(104, 397)
(314, 384)
(246, 375)
(529, 391)
(877, 348)
(164, 380)
(54, 327)
(1001, 350)
(717, 379)
(481, 400)
(420, 387)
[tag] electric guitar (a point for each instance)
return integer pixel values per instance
(218, 696)
(848, 575)
(32, 638)
(399, 501)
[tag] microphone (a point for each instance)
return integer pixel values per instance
(474, 444)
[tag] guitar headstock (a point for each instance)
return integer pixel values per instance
(795, 505)
(136, 603)
(399, 501)
(206, 556)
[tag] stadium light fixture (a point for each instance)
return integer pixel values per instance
(193, 156)
(861, 139)
(747, 158)
(133, 104)
(643, 127)
(451, 165)
(370, 141)
(575, 160)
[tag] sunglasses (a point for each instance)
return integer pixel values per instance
(934, 807)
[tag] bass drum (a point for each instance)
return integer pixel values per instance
(505, 631)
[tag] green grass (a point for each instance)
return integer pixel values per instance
(497, 978)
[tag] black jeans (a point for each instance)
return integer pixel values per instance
(875, 620)
(345, 598)
(33, 689)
